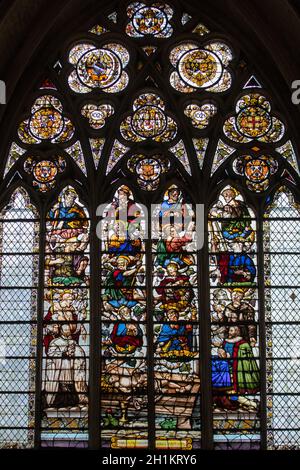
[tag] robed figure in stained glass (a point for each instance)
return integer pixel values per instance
(65, 333)
(232, 238)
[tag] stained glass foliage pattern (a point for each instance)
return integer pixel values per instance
(287, 151)
(149, 50)
(145, 20)
(176, 324)
(234, 322)
(96, 148)
(18, 319)
(76, 153)
(117, 152)
(98, 30)
(200, 146)
(282, 293)
(223, 152)
(254, 120)
(98, 68)
(124, 411)
(180, 153)
(201, 29)
(199, 68)
(15, 153)
(66, 322)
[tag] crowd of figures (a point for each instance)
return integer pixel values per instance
(125, 326)
(234, 330)
(66, 327)
(125, 307)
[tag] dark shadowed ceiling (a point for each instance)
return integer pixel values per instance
(33, 31)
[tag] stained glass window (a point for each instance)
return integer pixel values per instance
(254, 120)
(175, 321)
(257, 170)
(97, 115)
(44, 172)
(172, 328)
(200, 116)
(19, 274)
(148, 121)
(124, 328)
(147, 20)
(235, 371)
(46, 122)
(66, 321)
(101, 68)
(281, 274)
(149, 214)
(201, 68)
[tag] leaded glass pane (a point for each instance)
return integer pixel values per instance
(282, 291)
(18, 316)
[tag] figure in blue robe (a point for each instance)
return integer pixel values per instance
(175, 337)
(229, 265)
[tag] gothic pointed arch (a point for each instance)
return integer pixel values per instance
(156, 323)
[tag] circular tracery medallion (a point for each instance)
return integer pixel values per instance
(257, 170)
(149, 21)
(200, 68)
(253, 121)
(46, 123)
(99, 68)
(45, 171)
(149, 121)
(148, 169)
